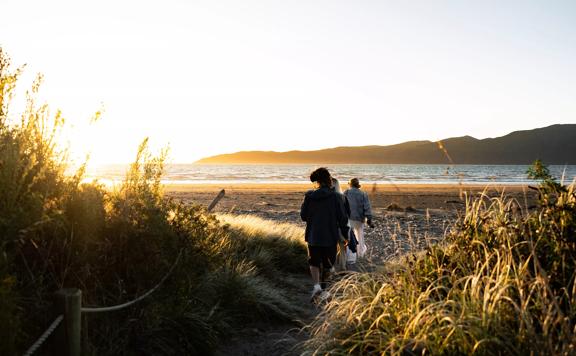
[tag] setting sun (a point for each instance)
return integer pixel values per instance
(217, 78)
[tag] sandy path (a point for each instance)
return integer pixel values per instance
(275, 338)
(406, 218)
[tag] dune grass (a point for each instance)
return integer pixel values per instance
(57, 232)
(501, 283)
(273, 246)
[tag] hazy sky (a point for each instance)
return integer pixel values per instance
(211, 77)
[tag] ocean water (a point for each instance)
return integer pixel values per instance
(367, 173)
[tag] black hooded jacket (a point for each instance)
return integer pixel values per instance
(325, 216)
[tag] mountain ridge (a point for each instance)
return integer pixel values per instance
(555, 144)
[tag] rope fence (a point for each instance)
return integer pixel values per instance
(69, 303)
(44, 336)
(142, 297)
(69, 310)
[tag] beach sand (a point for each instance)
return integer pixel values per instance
(407, 217)
(433, 196)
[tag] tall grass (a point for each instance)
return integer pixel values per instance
(501, 283)
(273, 246)
(115, 245)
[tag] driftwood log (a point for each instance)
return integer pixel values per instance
(216, 200)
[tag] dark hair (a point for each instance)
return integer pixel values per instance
(322, 176)
(354, 182)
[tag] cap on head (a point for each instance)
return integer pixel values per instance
(354, 182)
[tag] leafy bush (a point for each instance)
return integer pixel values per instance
(57, 232)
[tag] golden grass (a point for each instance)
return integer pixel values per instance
(255, 226)
(502, 283)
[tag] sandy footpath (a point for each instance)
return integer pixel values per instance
(406, 216)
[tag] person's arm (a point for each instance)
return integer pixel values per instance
(368, 210)
(347, 206)
(342, 217)
(304, 209)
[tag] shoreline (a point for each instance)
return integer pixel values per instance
(293, 187)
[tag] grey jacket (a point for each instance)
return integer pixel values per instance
(359, 204)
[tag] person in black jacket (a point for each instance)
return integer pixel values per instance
(325, 215)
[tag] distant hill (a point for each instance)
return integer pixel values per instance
(554, 144)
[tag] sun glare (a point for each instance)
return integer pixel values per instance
(211, 80)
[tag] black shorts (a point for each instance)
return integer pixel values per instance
(322, 255)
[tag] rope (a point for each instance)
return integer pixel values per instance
(44, 336)
(127, 304)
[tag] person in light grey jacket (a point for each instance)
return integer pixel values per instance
(360, 212)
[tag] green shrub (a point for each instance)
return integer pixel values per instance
(57, 232)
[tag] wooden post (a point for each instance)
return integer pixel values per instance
(68, 336)
(216, 200)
